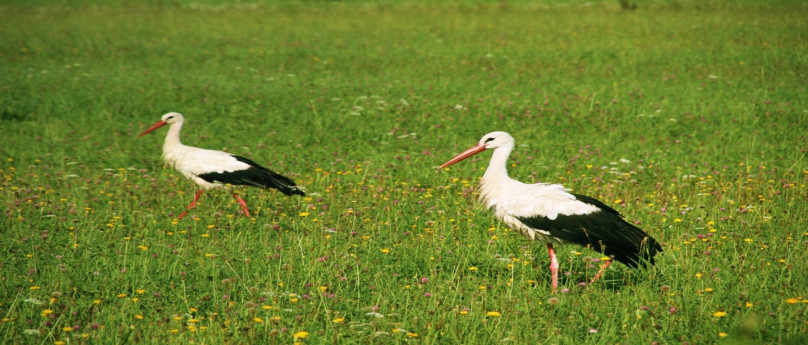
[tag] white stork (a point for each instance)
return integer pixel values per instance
(216, 169)
(549, 213)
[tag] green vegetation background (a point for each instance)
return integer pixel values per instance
(690, 117)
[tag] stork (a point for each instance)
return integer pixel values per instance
(551, 214)
(216, 169)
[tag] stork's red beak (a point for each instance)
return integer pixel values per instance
(466, 154)
(153, 127)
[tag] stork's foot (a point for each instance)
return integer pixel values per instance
(600, 271)
(243, 205)
(192, 204)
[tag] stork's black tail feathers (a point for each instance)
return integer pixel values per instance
(639, 252)
(604, 231)
(619, 239)
(263, 177)
(256, 176)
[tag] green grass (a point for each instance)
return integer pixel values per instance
(689, 117)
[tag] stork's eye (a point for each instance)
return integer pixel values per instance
(488, 140)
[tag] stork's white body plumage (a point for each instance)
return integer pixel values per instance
(521, 203)
(216, 169)
(193, 161)
(551, 214)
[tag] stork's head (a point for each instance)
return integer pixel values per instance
(491, 140)
(496, 139)
(167, 119)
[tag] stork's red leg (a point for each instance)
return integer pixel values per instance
(243, 205)
(553, 266)
(193, 203)
(601, 270)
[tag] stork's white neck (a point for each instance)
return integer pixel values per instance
(496, 177)
(498, 166)
(173, 137)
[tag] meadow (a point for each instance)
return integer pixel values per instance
(688, 117)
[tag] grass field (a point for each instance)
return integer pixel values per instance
(689, 117)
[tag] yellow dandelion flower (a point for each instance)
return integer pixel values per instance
(708, 289)
(258, 319)
(493, 314)
(266, 307)
(720, 314)
(34, 288)
(140, 291)
(792, 301)
(139, 317)
(121, 295)
(385, 250)
(473, 268)
(722, 334)
(464, 312)
(412, 334)
(47, 312)
(301, 335)
(303, 214)
(67, 329)
(338, 320)
(58, 342)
